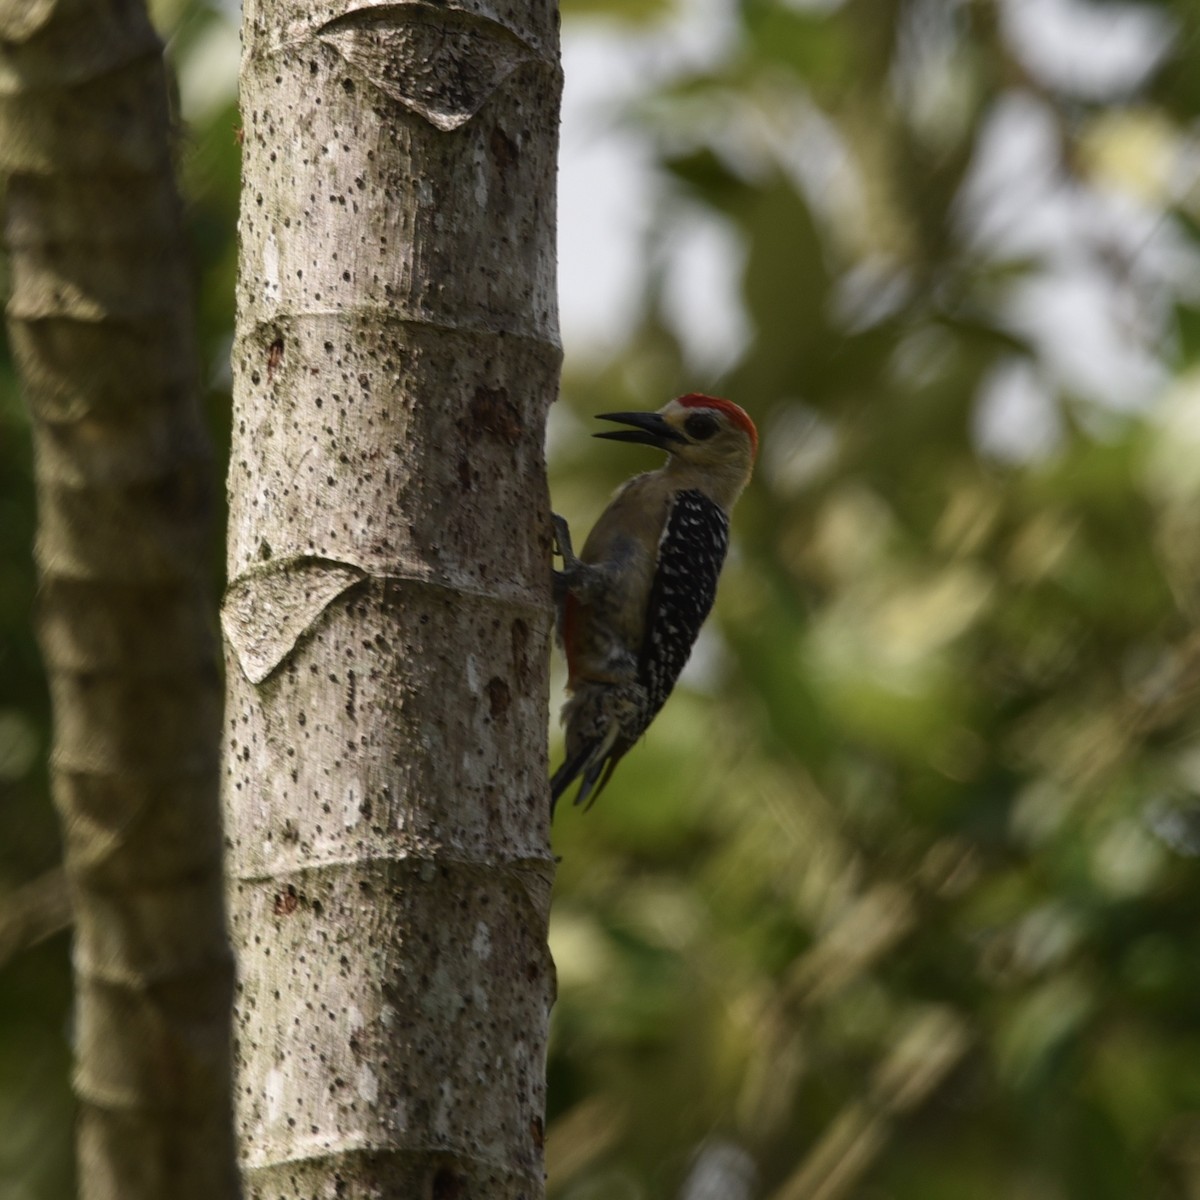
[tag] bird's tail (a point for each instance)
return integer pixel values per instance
(595, 760)
(603, 721)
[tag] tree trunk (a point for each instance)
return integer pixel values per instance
(388, 610)
(100, 321)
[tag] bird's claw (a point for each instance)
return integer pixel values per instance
(562, 539)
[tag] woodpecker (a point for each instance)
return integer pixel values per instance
(631, 604)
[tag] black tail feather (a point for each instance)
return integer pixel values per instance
(589, 789)
(586, 796)
(589, 781)
(568, 773)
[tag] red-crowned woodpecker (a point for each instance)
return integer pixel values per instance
(630, 606)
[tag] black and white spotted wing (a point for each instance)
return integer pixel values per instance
(691, 553)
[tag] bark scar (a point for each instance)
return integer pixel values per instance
(268, 609)
(440, 63)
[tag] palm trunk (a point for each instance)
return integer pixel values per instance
(100, 321)
(388, 610)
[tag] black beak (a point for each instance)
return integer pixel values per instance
(649, 429)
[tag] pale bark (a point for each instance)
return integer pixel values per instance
(100, 322)
(388, 609)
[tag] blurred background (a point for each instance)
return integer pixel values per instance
(900, 897)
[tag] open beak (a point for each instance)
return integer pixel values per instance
(649, 429)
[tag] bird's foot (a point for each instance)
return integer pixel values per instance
(562, 541)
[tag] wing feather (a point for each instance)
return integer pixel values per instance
(691, 553)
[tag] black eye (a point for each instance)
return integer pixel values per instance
(700, 426)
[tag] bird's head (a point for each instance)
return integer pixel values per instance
(705, 436)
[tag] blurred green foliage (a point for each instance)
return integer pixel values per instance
(899, 896)
(901, 900)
